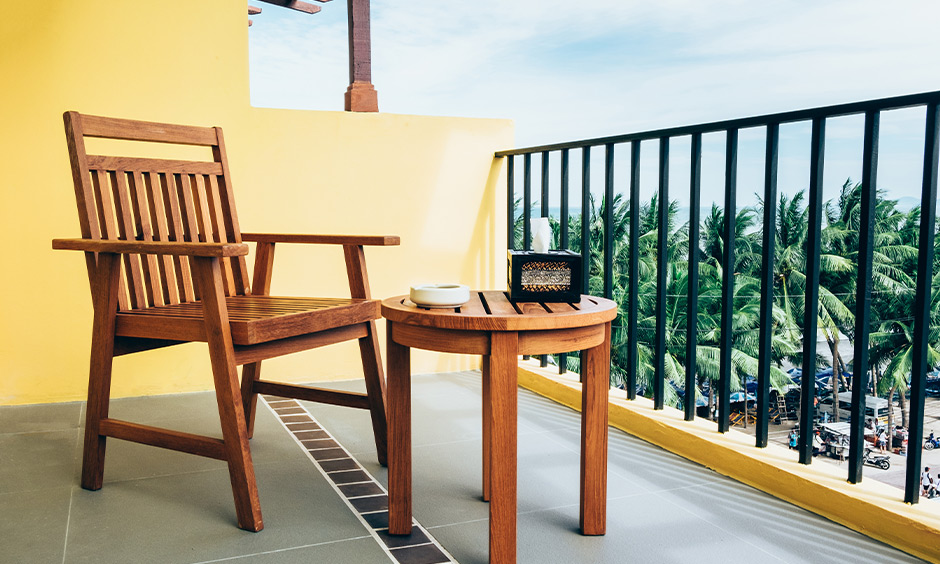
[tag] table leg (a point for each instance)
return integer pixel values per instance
(594, 401)
(398, 391)
(487, 428)
(502, 366)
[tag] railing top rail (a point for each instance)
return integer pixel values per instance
(882, 104)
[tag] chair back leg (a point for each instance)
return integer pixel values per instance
(250, 374)
(375, 388)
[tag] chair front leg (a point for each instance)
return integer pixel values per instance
(208, 276)
(106, 284)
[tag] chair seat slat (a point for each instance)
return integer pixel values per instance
(252, 320)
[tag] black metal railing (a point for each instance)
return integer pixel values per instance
(770, 124)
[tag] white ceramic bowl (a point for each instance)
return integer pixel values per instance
(440, 295)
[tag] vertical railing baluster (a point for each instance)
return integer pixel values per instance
(811, 297)
(863, 286)
(922, 300)
(609, 221)
(563, 235)
(544, 196)
(585, 231)
(563, 231)
(543, 359)
(510, 201)
(526, 201)
(662, 270)
(691, 331)
(526, 206)
(765, 354)
(727, 282)
(634, 271)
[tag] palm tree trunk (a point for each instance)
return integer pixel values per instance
(833, 342)
(902, 402)
(711, 400)
(890, 431)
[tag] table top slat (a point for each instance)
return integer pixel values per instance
(560, 307)
(474, 306)
(498, 304)
(492, 311)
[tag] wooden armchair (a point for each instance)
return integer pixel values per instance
(166, 263)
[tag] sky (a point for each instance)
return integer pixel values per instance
(565, 71)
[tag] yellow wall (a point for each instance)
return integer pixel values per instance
(432, 181)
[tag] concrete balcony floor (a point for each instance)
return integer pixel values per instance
(165, 507)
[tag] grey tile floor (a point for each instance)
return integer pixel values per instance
(165, 507)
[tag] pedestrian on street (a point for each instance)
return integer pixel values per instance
(792, 439)
(882, 439)
(925, 481)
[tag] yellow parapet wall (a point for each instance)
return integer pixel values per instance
(871, 507)
(431, 180)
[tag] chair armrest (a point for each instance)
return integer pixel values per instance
(372, 240)
(152, 247)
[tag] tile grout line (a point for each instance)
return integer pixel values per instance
(68, 523)
(280, 550)
(373, 531)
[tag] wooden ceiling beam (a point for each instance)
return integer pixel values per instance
(298, 5)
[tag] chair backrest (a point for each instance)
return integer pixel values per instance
(154, 199)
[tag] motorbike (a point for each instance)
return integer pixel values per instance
(931, 443)
(880, 460)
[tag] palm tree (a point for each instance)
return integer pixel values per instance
(892, 287)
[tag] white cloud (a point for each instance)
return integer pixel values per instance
(566, 71)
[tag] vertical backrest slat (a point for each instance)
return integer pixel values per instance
(125, 225)
(207, 227)
(171, 198)
(158, 214)
(190, 231)
(227, 199)
(123, 197)
(105, 221)
(218, 227)
(141, 207)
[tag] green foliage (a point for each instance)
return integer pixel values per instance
(895, 235)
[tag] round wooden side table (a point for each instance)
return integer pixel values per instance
(499, 330)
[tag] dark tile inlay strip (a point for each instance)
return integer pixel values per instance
(316, 444)
(377, 520)
(307, 435)
(294, 427)
(424, 554)
(360, 489)
(370, 504)
(339, 465)
(350, 477)
(295, 418)
(417, 536)
(361, 492)
(328, 453)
